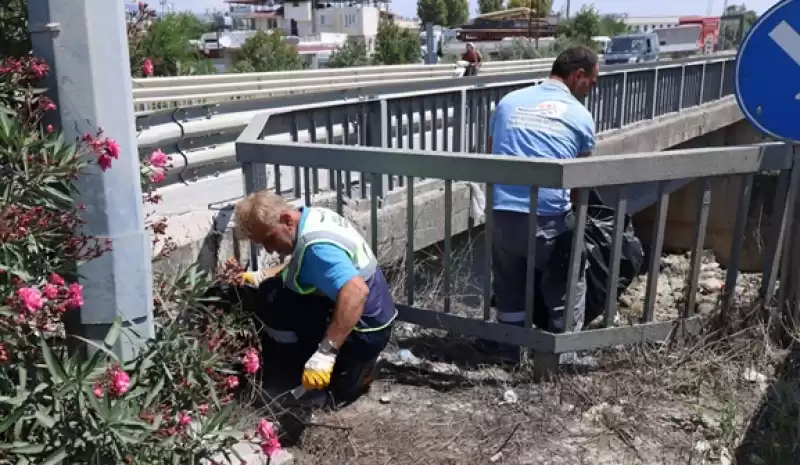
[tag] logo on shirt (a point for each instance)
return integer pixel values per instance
(544, 116)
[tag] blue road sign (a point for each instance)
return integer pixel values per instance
(767, 80)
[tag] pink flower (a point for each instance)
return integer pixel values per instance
(184, 419)
(54, 278)
(104, 160)
(203, 408)
(50, 291)
(97, 390)
(232, 382)
(119, 382)
(158, 159)
(112, 148)
(251, 361)
(265, 429)
(271, 447)
(157, 176)
(147, 67)
(30, 298)
(75, 296)
(49, 128)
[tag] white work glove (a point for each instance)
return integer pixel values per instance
(318, 371)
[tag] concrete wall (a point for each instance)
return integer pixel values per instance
(683, 207)
(211, 241)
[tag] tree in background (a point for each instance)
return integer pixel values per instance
(14, 29)
(432, 11)
(732, 34)
(488, 6)
(612, 25)
(457, 12)
(541, 8)
(165, 42)
(267, 51)
(582, 27)
(351, 53)
(395, 45)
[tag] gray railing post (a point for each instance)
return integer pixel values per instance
(622, 99)
(682, 89)
(378, 136)
(460, 121)
(255, 176)
(722, 79)
(655, 94)
(702, 85)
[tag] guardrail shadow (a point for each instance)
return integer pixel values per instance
(773, 435)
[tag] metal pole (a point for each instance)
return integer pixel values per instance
(85, 43)
(430, 45)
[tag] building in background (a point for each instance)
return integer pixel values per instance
(316, 28)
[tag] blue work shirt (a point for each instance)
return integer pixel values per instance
(543, 121)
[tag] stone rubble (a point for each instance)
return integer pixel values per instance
(672, 284)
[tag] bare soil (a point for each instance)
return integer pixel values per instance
(706, 402)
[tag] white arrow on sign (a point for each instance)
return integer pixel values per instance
(789, 41)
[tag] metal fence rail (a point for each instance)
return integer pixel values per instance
(456, 119)
(154, 94)
(423, 114)
(379, 151)
(616, 172)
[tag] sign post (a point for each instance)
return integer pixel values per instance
(767, 88)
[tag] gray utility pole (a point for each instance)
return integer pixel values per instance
(85, 43)
(568, 5)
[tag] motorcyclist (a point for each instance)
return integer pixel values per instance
(473, 57)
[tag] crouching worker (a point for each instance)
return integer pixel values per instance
(333, 345)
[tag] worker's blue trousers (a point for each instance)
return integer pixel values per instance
(509, 268)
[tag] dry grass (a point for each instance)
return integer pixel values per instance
(728, 395)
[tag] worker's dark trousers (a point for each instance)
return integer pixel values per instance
(293, 325)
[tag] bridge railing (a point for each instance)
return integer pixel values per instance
(617, 172)
(456, 119)
(379, 151)
(201, 139)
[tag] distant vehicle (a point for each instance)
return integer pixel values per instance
(632, 48)
(681, 41)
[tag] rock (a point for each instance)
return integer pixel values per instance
(753, 376)
(509, 397)
(702, 446)
(711, 284)
(385, 399)
(705, 307)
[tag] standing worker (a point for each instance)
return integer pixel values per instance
(542, 121)
(340, 340)
(473, 57)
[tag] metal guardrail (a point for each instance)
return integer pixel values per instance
(381, 156)
(157, 94)
(201, 139)
(154, 94)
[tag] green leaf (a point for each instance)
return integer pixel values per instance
(11, 419)
(56, 370)
(113, 333)
(56, 457)
(219, 418)
(96, 346)
(153, 394)
(23, 378)
(45, 420)
(31, 449)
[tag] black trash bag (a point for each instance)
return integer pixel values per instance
(597, 240)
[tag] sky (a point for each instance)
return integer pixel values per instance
(631, 7)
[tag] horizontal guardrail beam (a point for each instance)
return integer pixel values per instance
(153, 94)
(593, 171)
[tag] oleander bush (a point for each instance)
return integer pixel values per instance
(67, 400)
